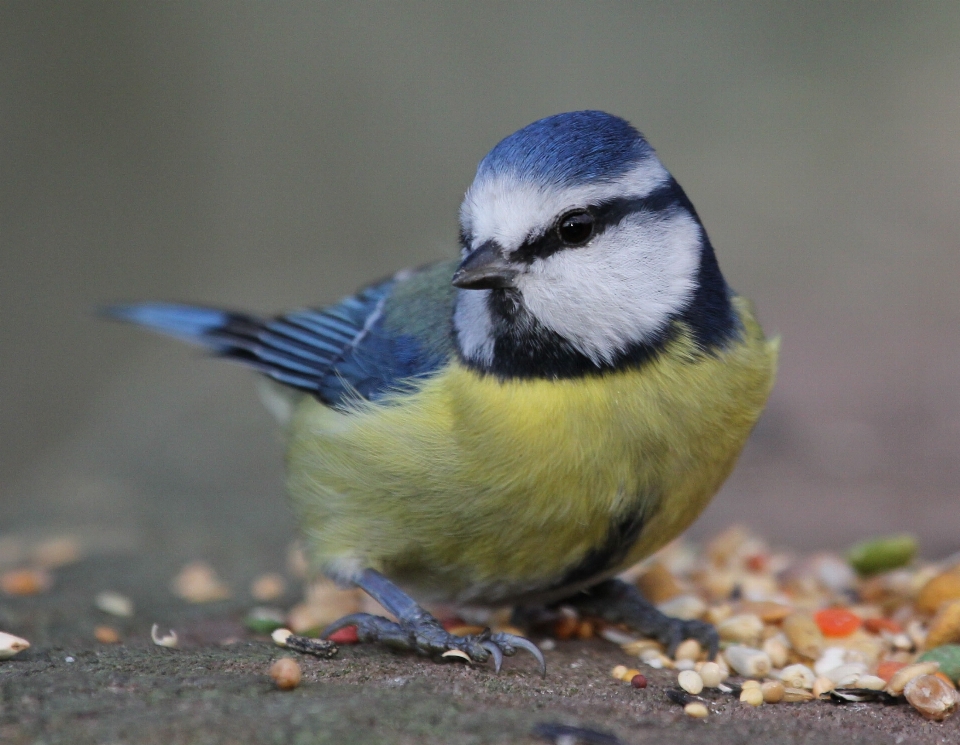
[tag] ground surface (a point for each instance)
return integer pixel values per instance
(69, 689)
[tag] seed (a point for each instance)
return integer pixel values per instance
(871, 682)
(566, 627)
(285, 673)
(25, 581)
(844, 675)
(822, 685)
(766, 610)
(688, 650)
(585, 630)
(933, 698)
(690, 681)
(945, 626)
(197, 582)
(685, 665)
(748, 662)
(280, 636)
(773, 691)
(943, 587)
(796, 695)
(268, 587)
(106, 635)
(751, 696)
(797, 676)
(949, 658)
(696, 710)
(658, 584)
(167, 640)
(711, 675)
(744, 629)
(11, 645)
(888, 668)
(56, 552)
(837, 621)
(904, 675)
(685, 607)
(804, 634)
(777, 650)
(630, 674)
(639, 681)
(114, 603)
(882, 554)
(750, 684)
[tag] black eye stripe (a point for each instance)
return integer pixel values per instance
(667, 197)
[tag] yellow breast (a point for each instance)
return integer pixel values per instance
(481, 489)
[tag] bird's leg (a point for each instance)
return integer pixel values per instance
(619, 602)
(417, 630)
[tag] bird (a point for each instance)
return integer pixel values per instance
(518, 424)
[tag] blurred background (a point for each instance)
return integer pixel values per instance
(271, 156)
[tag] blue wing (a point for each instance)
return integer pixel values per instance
(335, 353)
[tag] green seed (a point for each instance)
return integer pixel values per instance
(948, 655)
(264, 620)
(882, 554)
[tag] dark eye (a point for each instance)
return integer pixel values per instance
(575, 228)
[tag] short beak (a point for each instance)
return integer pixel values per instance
(485, 269)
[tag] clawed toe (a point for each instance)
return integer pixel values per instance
(426, 636)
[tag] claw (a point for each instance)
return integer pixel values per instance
(457, 653)
(497, 654)
(518, 641)
(353, 619)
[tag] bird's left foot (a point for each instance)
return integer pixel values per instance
(618, 602)
(418, 631)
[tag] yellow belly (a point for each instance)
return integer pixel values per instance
(475, 489)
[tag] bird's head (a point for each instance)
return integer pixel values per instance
(579, 251)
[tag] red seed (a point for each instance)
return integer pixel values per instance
(639, 681)
(887, 669)
(837, 621)
(876, 625)
(346, 635)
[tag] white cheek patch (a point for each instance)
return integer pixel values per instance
(620, 289)
(474, 326)
(508, 209)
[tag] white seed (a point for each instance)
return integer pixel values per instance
(830, 658)
(871, 682)
(796, 695)
(684, 607)
(844, 675)
(797, 676)
(655, 659)
(711, 675)
(777, 650)
(751, 696)
(822, 685)
(905, 674)
(280, 636)
(751, 663)
(696, 710)
(690, 681)
(688, 650)
(114, 603)
(685, 665)
(167, 640)
(744, 629)
(902, 642)
(11, 645)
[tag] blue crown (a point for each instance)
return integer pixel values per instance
(576, 147)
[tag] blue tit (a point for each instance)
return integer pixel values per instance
(519, 425)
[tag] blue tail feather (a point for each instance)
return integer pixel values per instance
(186, 322)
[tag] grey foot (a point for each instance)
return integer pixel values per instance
(418, 631)
(618, 602)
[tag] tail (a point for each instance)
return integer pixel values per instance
(216, 330)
